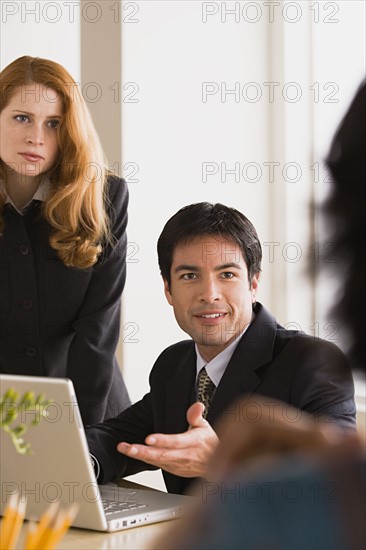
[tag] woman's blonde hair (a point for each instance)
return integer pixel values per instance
(76, 207)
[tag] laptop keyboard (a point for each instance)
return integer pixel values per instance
(111, 507)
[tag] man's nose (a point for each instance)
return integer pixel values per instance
(210, 290)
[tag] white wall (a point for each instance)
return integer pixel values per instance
(41, 29)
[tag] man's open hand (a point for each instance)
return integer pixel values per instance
(186, 454)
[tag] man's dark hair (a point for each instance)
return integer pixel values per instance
(205, 219)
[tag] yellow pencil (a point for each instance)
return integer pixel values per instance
(70, 515)
(32, 542)
(8, 521)
(50, 535)
(17, 524)
(30, 536)
(58, 527)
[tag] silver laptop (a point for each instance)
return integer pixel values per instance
(59, 468)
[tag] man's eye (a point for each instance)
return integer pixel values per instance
(53, 123)
(228, 275)
(189, 276)
(21, 118)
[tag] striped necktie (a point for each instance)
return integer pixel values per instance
(205, 390)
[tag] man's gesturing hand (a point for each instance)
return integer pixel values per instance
(186, 454)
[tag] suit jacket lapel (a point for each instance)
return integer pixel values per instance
(179, 392)
(241, 376)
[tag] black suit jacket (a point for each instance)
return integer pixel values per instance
(62, 321)
(307, 372)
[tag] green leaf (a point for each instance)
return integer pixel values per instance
(10, 405)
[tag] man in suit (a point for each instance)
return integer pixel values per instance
(210, 261)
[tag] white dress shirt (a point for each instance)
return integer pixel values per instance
(41, 194)
(217, 366)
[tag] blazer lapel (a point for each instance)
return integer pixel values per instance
(179, 392)
(242, 375)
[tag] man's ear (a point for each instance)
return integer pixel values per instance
(254, 286)
(167, 292)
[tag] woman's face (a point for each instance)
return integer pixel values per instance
(28, 131)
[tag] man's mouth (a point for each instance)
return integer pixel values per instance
(211, 315)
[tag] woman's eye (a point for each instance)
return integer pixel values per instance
(53, 123)
(21, 118)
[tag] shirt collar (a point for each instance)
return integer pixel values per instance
(217, 366)
(41, 195)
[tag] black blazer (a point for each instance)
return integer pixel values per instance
(62, 321)
(307, 372)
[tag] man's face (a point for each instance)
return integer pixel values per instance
(210, 292)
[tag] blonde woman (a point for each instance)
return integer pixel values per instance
(63, 220)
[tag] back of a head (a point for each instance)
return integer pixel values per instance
(345, 210)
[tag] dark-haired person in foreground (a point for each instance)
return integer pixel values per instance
(210, 261)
